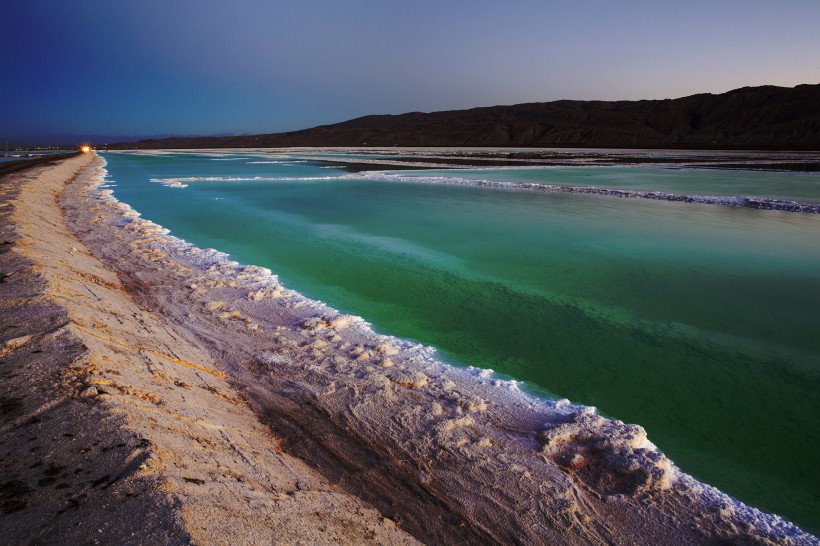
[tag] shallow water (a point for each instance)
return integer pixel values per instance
(698, 322)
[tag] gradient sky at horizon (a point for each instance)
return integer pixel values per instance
(148, 67)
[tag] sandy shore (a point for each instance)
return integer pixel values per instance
(153, 392)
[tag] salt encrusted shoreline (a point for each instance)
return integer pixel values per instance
(451, 455)
(735, 201)
(752, 202)
(115, 430)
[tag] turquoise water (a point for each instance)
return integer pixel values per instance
(698, 322)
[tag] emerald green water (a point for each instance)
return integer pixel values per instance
(698, 322)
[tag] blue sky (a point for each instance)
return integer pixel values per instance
(144, 67)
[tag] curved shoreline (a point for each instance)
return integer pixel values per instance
(354, 380)
(449, 454)
(115, 428)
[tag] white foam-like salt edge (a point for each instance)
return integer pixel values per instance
(706, 199)
(388, 176)
(254, 277)
(271, 162)
(184, 181)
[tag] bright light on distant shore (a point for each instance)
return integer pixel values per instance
(85, 149)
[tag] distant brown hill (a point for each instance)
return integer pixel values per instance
(765, 117)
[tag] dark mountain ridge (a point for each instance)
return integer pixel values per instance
(766, 117)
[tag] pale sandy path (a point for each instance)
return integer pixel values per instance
(141, 438)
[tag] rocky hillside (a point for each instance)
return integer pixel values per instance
(765, 117)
